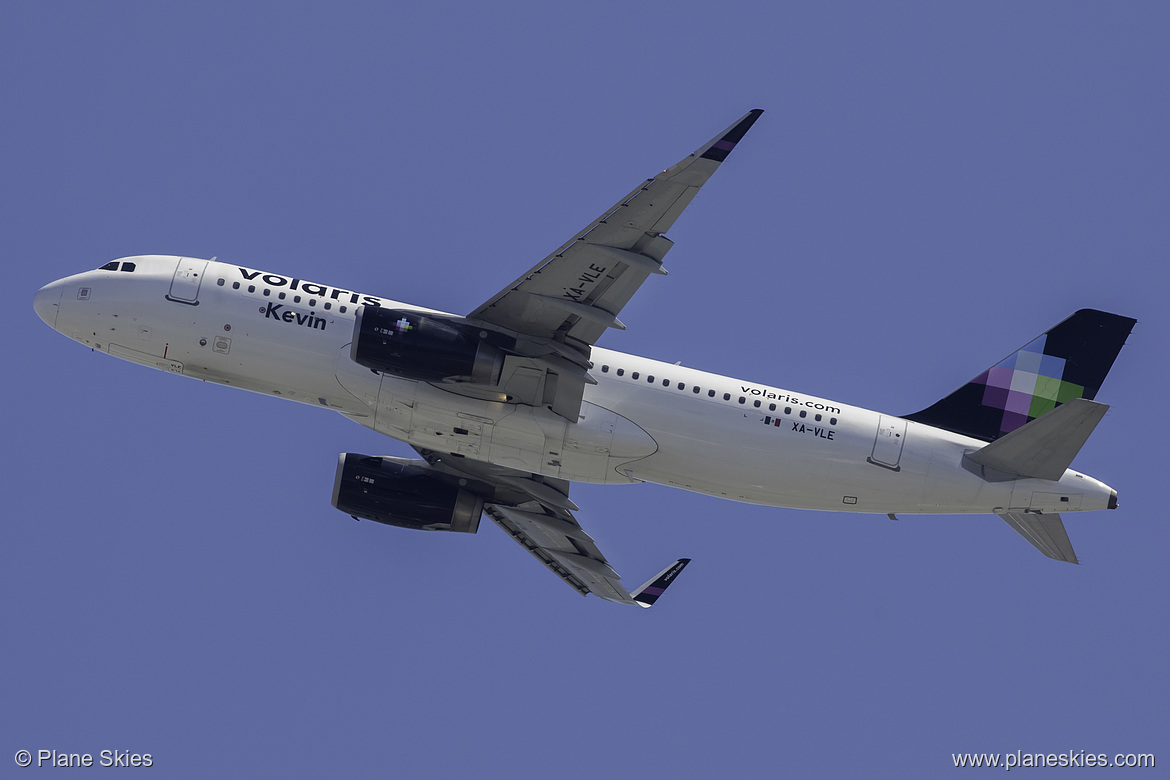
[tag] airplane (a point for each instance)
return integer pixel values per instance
(508, 405)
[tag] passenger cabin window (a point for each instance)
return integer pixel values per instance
(710, 393)
(220, 282)
(621, 372)
(727, 396)
(634, 375)
(605, 369)
(235, 285)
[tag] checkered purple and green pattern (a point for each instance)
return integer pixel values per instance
(1026, 385)
(1069, 361)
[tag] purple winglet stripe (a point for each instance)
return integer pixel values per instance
(726, 146)
(652, 591)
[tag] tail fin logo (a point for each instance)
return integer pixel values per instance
(1027, 385)
(1069, 361)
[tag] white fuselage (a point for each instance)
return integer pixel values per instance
(644, 420)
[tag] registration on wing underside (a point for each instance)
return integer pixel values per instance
(604, 265)
(574, 295)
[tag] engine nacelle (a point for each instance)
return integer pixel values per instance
(405, 493)
(425, 347)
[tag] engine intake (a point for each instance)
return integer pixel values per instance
(426, 347)
(404, 493)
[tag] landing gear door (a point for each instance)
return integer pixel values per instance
(887, 445)
(185, 284)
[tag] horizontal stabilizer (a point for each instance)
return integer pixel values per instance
(1043, 448)
(1044, 532)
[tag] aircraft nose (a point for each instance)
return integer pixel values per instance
(47, 302)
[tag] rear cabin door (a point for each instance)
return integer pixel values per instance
(185, 284)
(887, 445)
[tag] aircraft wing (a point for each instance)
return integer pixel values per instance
(537, 513)
(575, 294)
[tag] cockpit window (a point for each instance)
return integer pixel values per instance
(110, 266)
(128, 267)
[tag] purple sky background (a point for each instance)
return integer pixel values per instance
(931, 187)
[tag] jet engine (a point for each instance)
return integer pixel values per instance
(426, 347)
(405, 493)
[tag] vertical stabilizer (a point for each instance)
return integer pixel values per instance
(1069, 361)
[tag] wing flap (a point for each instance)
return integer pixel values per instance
(569, 553)
(537, 513)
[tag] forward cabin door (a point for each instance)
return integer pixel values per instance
(185, 284)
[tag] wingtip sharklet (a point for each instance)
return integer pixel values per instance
(722, 145)
(649, 593)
